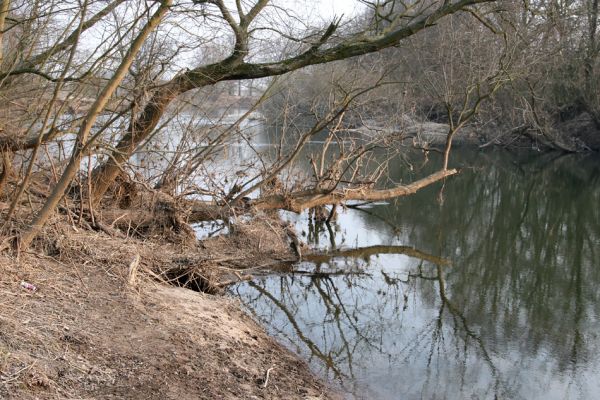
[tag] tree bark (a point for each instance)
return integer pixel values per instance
(4, 6)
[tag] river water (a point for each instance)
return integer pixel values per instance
(485, 288)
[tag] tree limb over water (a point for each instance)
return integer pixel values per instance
(137, 67)
(313, 198)
(235, 67)
(198, 211)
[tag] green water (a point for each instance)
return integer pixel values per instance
(501, 298)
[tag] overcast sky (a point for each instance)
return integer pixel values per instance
(337, 7)
(315, 13)
(323, 9)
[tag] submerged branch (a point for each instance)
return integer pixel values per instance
(364, 252)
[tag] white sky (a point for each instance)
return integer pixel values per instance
(311, 12)
(337, 7)
(323, 9)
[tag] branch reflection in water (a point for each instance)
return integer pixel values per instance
(512, 313)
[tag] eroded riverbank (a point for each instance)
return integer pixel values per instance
(100, 325)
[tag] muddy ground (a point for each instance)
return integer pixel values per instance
(104, 323)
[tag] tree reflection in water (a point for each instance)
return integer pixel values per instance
(515, 315)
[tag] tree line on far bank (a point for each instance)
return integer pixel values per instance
(532, 65)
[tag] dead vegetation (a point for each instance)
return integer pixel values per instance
(102, 323)
(110, 316)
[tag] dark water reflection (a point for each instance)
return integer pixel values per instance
(514, 314)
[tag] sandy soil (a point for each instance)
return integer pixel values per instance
(100, 326)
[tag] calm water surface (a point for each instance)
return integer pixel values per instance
(500, 297)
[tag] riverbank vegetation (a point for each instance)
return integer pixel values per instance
(529, 69)
(135, 121)
(97, 83)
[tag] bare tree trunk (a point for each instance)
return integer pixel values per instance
(592, 48)
(447, 148)
(590, 61)
(4, 5)
(6, 169)
(71, 170)
(139, 130)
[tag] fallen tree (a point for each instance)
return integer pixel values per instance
(303, 200)
(153, 209)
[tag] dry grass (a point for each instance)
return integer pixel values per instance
(103, 325)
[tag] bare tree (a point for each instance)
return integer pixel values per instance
(149, 89)
(82, 142)
(320, 50)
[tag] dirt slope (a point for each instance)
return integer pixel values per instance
(92, 330)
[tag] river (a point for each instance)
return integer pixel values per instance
(484, 288)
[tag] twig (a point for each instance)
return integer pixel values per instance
(116, 219)
(89, 190)
(133, 268)
(267, 377)
(18, 373)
